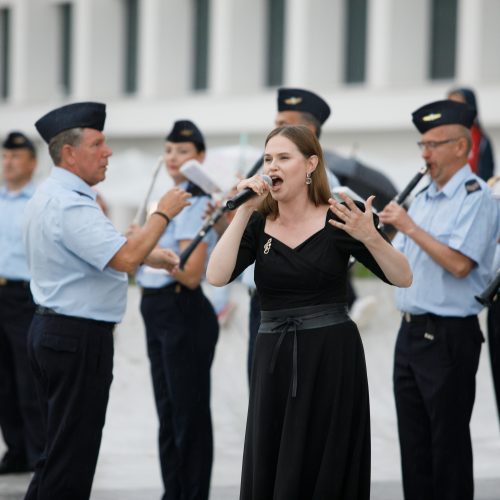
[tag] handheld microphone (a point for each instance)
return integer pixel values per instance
(244, 195)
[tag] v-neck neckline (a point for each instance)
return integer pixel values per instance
(302, 243)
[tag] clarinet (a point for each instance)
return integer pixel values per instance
(488, 296)
(401, 197)
(210, 221)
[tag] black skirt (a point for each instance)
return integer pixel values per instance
(315, 445)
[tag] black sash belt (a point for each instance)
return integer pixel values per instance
(299, 319)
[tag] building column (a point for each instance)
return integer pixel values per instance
(83, 49)
(394, 58)
(19, 49)
(165, 48)
(237, 46)
(297, 48)
(469, 27)
(312, 25)
(379, 43)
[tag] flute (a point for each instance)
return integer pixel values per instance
(487, 297)
(140, 215)
(211, 220)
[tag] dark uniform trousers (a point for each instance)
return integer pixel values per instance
(436, 361)
(494, 347)
(181, 334)
(72, 359)
(20, 416)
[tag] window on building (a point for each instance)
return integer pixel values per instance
(443, 39)
(355, 41)
(4, 52)
(201, 43)
(275, 42)
(66, 28)
(131, 45)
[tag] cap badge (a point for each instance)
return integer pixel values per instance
(431, 117)
(186, 132)
(292, 101)
(18, 140)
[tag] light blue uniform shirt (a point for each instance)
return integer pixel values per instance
(467, 221)
(13, 263)
(69, 242)
(184, 226)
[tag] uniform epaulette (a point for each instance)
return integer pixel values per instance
(83, 194)
(195, 190)
(472, 186)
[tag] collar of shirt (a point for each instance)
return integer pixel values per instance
(72, 182)
(452, 185)
(25, 192)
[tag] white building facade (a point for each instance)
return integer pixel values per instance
(219, 63)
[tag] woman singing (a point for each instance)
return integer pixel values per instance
(181, 332)
(308, 426)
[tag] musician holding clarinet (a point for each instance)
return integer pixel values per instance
(449, 236)
(490, 298)
(181, 333)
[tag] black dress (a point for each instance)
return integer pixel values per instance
(315, 445)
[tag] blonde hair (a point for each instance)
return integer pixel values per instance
(307, 143)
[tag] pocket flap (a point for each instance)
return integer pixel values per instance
(59, 343)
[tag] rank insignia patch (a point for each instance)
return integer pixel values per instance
(472, 186)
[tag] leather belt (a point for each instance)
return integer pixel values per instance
(47, 311)
(14, 283)
(416, 318)
(174, 287)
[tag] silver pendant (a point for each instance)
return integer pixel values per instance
(267, 246)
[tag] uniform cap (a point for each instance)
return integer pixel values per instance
(303, 100)
(186, 131)
(17, 140)
(76, 115)
(446, 112)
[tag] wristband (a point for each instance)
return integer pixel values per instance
(162, 214)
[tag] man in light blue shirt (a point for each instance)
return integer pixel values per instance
(20, 415)
(78, 264)
(449, 236)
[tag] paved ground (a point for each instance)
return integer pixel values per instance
(128, 470)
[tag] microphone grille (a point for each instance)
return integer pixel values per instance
(267, 179)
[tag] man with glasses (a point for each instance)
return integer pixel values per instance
(449, 236)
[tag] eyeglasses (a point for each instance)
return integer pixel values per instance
(432, 145)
